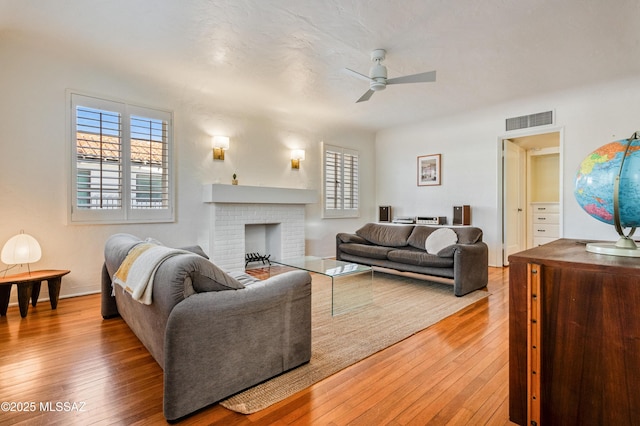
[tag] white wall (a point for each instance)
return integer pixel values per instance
(590, 117)
(35, 157)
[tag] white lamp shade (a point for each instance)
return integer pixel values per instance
(20, 249)
(297, 154)
(221, 142)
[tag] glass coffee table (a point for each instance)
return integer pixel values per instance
(351, 283)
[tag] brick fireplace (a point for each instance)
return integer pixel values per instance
(233, 207)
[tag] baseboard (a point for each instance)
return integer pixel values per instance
(66, 296)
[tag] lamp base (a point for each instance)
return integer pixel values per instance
(613, 250)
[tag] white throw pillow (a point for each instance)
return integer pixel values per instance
(439, 239)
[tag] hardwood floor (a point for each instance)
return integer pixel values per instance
(69, 366)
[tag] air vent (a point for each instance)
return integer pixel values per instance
(532, 120)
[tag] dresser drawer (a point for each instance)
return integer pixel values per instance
(538, 241)
(543, 230)
(548, 218)
(545, 208)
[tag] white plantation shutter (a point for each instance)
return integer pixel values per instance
(150, 178)
(121, 162)
(341, 183)
(350, 178)
(99, 158)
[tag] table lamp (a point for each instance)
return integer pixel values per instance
(21, 249)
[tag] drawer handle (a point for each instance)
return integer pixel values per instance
(542, 218)
(541, 230)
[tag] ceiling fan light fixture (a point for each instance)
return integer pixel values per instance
(378, 84)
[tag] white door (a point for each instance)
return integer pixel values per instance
(514, 190)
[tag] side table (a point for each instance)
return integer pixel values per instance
(29, 288)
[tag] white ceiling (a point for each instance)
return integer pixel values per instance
(286, 57)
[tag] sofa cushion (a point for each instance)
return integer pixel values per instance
(419, 258)
(196, 250)
(366, 250)
(344, 237)
(419, 236)
(212, 278)
(244, 278)
(439, 239)
(448, 251)
(386, 235)
(468, 234)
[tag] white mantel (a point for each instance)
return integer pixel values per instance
(233, 207)
(220, 193)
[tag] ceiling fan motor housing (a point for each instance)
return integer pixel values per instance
(378, 75)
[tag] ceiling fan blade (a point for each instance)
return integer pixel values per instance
(366, 96)
(425, 77)
(357, 74)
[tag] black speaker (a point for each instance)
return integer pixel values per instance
(384, 214)
(461, 215)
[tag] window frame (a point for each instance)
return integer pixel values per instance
(126, 213)
(340, 212)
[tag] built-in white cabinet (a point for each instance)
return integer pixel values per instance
(545, 222)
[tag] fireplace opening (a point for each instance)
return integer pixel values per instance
(262, 243)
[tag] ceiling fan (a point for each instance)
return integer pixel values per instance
(378, 76)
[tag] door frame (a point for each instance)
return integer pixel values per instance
(499, 254)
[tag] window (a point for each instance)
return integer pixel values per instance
(341, 186)
(121, 156)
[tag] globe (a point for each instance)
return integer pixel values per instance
(595, 187)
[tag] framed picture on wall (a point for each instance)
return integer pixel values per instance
(429, 170)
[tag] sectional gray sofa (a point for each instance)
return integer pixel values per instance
(458, 255)
(213, 334)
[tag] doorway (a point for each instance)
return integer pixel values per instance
(531, 182)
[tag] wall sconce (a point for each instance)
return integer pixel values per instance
(21, 249)
(220, 143)
(296, 156)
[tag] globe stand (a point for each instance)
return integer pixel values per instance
(625, 246)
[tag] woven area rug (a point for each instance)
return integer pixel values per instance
(396, 308)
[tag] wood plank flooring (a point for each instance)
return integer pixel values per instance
(69, 366)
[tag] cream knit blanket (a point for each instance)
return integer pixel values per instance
(138, 269)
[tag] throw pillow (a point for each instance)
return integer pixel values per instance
(440, 239)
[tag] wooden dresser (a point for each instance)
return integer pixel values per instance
(574, 337)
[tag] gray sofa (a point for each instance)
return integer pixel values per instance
(464, 262)
(213, 334)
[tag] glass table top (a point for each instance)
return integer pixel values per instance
(329, 267)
